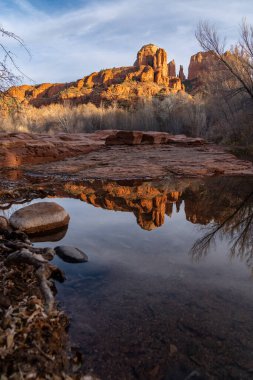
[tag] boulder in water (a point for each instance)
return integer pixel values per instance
(39, 217)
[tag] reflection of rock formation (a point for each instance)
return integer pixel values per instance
(226, 202)
(150, 203)
(55, 235)
(204, 201)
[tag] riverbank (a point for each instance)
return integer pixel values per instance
(33, 331)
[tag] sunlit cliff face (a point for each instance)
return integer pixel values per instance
(149, 74)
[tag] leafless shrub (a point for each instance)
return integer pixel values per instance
(177, 113)
(228, 86)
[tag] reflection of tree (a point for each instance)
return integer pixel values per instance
(238, 227)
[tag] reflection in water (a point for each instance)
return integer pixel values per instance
(49, 236)
(237, 228)
(141, 308)
(225, 204)
(204, 201)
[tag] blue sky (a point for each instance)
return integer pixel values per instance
(69, 39)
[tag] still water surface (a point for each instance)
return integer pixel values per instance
(147, 307)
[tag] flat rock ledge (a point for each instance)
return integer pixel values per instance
(26, 148)
(39, 217)
(113, 154)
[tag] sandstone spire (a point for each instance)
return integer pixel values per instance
(181, 73)
(155, 57)
(172, 68)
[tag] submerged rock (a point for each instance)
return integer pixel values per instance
(71, 254)
(39, 217)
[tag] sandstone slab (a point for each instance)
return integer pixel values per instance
(18, 149)
(113, 154)
(124, 138)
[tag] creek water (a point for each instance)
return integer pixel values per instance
(148, 306)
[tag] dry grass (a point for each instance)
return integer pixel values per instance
(208, 117)
(175, 114)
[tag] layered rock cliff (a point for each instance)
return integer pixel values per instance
(156, 58)
(181, 74)
(149, 76)
(200, 63)
(172, 69)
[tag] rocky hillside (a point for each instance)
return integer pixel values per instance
(151, 75)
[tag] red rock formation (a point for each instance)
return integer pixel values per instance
(200, 63)
(149, 76)
(172, 69)
(176, 84)
(181, 73)
(155, 57)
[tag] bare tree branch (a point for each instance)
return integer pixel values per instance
(237, 62)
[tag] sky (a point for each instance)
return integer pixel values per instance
(69, 39)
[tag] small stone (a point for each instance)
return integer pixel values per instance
(71, 254)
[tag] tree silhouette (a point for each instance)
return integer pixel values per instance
(237, 62)
(10, 72)
(238, 228)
